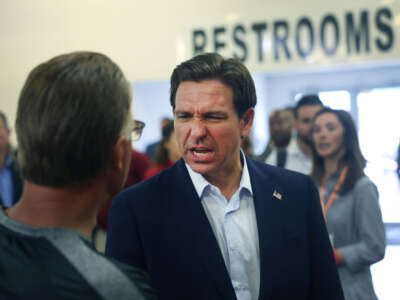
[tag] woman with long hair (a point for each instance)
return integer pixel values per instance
(167, 152)
(349, 201)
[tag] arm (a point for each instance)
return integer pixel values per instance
(123, 239)
(141, 280)
(325, 283)
(371, 243)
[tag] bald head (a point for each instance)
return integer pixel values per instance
(280, 127)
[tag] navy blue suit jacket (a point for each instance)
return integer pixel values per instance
(160, 225)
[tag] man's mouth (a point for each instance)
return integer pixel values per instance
(201, 154)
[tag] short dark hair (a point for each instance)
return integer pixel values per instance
(352, 152)
(71, 111)
(3, 117)
(307, 100)
(231, 72)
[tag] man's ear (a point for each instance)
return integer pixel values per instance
(246, 122)
(119, 153)
(118, 167)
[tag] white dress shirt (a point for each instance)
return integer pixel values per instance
(235, 228)
(296, 160)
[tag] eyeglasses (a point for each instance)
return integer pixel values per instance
(137, 130)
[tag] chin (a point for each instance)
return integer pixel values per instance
(200, 168)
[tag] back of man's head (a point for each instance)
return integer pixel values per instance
(307, 100)
(71, 111)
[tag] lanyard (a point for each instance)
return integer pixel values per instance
(334, 193)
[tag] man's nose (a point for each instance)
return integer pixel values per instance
(198, 129)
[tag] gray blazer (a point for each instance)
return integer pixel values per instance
(355, 224)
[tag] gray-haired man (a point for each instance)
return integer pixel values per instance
(74, 133)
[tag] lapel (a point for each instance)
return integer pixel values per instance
(203, 238)
(269, 223)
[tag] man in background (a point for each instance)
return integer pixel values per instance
(280, 130)
(10, 180)
(74, 134)
(297, 154)
(300, 149)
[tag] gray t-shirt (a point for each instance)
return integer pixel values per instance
(59, 263)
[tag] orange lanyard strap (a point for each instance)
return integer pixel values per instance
(334, 193)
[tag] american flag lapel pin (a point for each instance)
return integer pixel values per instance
(277, 195)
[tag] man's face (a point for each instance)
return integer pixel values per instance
(280, 129)
(305, 115)
(207, 127)
(4, 136)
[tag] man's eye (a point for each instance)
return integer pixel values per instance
(183, 116)
(215, 117)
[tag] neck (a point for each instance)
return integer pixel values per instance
(71, 207)
(331, 163)
(304, 147)
(229, 181)
(330, 167)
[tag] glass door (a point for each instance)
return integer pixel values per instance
(379, 133)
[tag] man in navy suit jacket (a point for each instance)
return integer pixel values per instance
(218, 225)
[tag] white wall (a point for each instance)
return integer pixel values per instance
(146, 38)
(135, 34)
